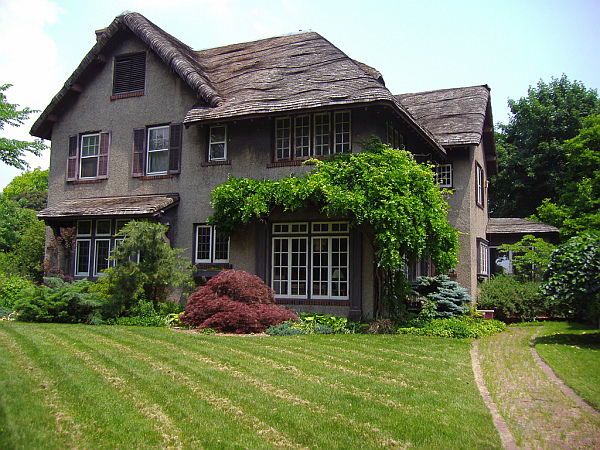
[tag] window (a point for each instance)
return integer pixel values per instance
(301, 137)
(480, 186)
(101, 254)
(217, 146)
(82, 257)
(157, 150)
(310, 264)
(129, 74)
(482, 257)
(88, 156)
(443, 175)
(211, 246)
(394, 139)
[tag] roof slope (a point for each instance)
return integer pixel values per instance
(453, 116)
(510, 225)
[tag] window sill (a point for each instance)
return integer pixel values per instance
(304, 301)
(93, 181)
(226, 162)
(155, 177)
(294, 162)
(127, 95)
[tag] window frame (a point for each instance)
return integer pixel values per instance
(76, 271)
(214, 240)
(97, 272)
(483, 258)
(479, 185)
(75, 156)
(212, 143)
(151, 152)
(141, 161)
(439, 175)
(96, 156)
(129, 75)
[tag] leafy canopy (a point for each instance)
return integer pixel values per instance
(531, 157)
(382, 191)
(11, 150)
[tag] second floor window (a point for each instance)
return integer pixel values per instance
(305, 136)
(157, 150)
(217, 145)
(88, 156)
(480, 185)
(443, 175)
(129, 74)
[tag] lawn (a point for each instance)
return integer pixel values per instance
(573, 352)
(76, 386)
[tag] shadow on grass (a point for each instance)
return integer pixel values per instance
(588, 339)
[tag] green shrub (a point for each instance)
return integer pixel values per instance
(510, 297)
(462, 327)
(10, 287)
(59, 301)
(284, 329)
(450, 299)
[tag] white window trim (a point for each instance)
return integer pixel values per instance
(97, 272)
(438, 177)
(338, 134)
(104, 234)
(306, 267)
(212, 247)
(96, 156)
(211, 143)
(79, 233)
(484, 258)
(280, 125)
(330, 270)
(480, 193)
(160, 150)
(77, 273)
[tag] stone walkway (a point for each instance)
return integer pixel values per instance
(531, 407)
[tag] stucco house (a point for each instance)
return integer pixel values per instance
(147, 127)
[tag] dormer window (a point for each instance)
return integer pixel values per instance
(129, 75)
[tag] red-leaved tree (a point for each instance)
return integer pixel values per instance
(235, 302)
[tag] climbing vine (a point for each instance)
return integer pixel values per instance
(383, 192)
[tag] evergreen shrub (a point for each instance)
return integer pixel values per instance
(450, 299)
(10, 287)
(512, 298)
(234, 302)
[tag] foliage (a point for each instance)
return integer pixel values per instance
(445, 297)
(531, 157)
(577, 210)
(10, 287)
(29, 190)
(14, 221)
(234, 302)
(11, 150)
(146, 268)
(381, 326)
(58, 301)
(383, 192)
(511, 297)
(572, 280)
(60, 252)
(530, 257)
(458, 327)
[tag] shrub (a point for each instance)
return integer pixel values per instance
(284, 329)
(235, 302)
(449, 298)
(462, 327)
(381, 326)
(510, 297)
(59, 301)
(10, 286)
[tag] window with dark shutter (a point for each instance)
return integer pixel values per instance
(139, 152)
(130, 74)
(175, 148)
(72, 159)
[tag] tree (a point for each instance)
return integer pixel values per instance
(531, 157)
(578, 208)
(572, 281)
(30, 189)
(531, 256)
(11, 150)
(146, 267)
(383, 192)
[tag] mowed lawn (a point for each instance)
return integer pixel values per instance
(76, 386)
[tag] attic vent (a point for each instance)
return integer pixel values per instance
(130, 74)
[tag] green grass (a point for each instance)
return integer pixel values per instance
(573, 352)
(99, 387)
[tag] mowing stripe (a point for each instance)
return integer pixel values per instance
(366, 429)
(65, 425)
(163, 424)
(508, 441)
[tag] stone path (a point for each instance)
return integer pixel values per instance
(531, 407)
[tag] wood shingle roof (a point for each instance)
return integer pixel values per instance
(510, 225)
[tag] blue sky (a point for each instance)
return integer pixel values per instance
(417, 45)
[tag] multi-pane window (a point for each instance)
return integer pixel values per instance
(483, 257)
(83, 248)
(394, 139)
(443, 175)
(90, 146)
(88, 156)
(301, 137)
(310, 261)
(211, 246)
(129, 74)
(158, 150)
(480, 193)
(101, 254)
(217, 146)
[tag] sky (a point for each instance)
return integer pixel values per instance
(418, 45)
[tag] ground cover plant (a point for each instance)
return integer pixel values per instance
(573, 352)
(102, 386)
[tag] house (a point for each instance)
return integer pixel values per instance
(147, 127)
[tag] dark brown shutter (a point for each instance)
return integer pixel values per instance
(72, 158)
(175, 134)
(139, 152)
(130, 73)
(103, 155)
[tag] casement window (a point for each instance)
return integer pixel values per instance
(310, 260)
(211, 246)
(129, 74)
(95, 240)
(304, 136)
(483, 258)
(480, 185)
(88, 156)
(157, 150)
(393, 138)
(217, 145)
(443, 175)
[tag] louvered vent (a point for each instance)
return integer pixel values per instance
(130, 73)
